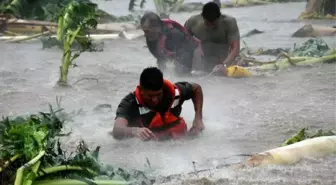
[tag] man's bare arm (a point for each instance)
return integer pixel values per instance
(234, 42)
(234, 48)
(197, 99)
(123, 115)
(120, 129)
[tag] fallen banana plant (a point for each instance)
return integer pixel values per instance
(302, 145)
(302, 135)
(313, 51)
(299, 147)
(17, 39)
(290, 154)
(293, 61)
(32, 154)
(128, 35)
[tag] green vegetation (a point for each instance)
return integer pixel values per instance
(302, 135)
(74, 24)
(49, 10)
(35, 9)
(32, 154)
(313, 51)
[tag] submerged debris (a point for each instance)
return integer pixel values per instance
(252, 32)
(309, 30)
(102, 107)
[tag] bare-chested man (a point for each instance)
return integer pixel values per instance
(219, 35)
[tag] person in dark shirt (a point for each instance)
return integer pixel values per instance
(219, 34)
(167, 40)
(152, 111)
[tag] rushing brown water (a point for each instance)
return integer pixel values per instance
(241, 115)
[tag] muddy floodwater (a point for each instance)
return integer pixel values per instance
(241, 115)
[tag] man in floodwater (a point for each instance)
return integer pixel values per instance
(219, 35)
(168, 40)
(152, 111)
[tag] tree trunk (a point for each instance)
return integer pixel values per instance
(330, 7)
(321, 7)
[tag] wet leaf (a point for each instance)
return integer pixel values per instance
(26, 136)
(302, 135)
(314, 47)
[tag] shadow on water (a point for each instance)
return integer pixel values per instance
(241, 115)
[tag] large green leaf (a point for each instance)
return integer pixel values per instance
(27, 135)
(314, 47)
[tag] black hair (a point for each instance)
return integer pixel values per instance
(151, 78)
(211, 11)
(152, 18)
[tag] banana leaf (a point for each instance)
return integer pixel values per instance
(314, 47)
(31, 153)
(74, 15)
(74, 23)
(296, 138)
(35, 9)
(50, 10)
(303, 134)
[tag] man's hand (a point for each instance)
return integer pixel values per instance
(218, 68)
(197, 99)
(197, 127)
(144, 134)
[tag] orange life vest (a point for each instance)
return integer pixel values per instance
(168, 118)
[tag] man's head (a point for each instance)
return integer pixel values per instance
(151, 24)
(211, 13)
(151, 86)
